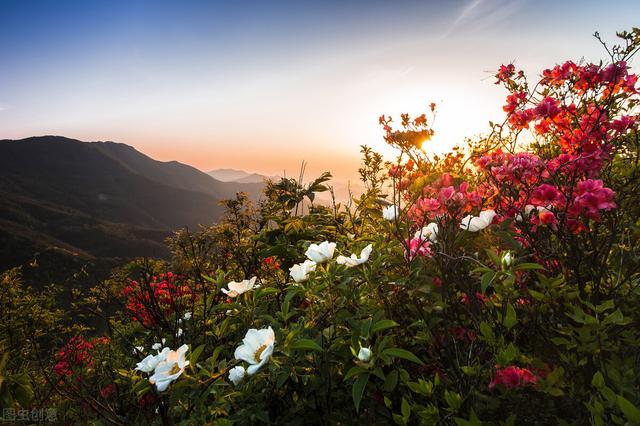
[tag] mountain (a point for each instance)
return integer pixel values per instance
(239, 176)
(98, 199)
(227, 175)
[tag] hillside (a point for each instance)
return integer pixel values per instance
(99, 199)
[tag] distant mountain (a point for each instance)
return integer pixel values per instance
(228, 175)
(239, 176)
(98, 199)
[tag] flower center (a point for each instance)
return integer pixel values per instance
(256, 355)
(175, 369)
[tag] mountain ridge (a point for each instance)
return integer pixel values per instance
(96, 199)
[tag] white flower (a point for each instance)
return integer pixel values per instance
(430, 231)
(156, 346)
(478, 223)
(236, 289)
(321, 253)
(390, 212)
(354, 260)
(170, 368)
(138, 349)
(179, 333)
(148, 364)
(300, 272)
(256, 348)
(236, 374)
(187, 316)
(364, 354)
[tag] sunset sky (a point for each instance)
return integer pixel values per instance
(263, 85)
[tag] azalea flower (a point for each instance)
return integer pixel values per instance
(322, 252)
(364, 354)
(170, 368)
(354, 260)
(236, 289)
(512, 377)
(300, 272)
(149, 363)
(236, 374)
(256, 348)
(390, 212)
(430, 231)
(478, 223)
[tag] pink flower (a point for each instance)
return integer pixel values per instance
(418, 247)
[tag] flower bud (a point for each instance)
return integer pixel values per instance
(364, 355)
(507, 259)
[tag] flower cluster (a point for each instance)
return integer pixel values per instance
(166, 293)
(76, 354)
(512, 377)
(167, 365)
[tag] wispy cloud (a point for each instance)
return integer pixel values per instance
(483, 13)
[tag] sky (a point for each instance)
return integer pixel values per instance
(263, 85)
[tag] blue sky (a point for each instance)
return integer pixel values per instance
(263, 85)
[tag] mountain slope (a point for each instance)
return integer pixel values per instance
(97, 199)
(176, 174)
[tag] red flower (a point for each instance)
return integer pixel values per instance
(512, 377)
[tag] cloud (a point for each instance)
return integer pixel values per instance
(484, 13)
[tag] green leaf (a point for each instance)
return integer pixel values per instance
(354, 371)
(536, 295)
(528, 266)
(383, 325)
(487, 331)
(402, 353)
(630, 411)
(357, 391)
(193, 359)
(306, 344)
(598, 380)
(615, 317)
(486, 281)
(510, 319)
(405, 408)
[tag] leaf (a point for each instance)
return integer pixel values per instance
(536, 295)
(391, 381)
(357, 391)
(405, 408)
(383, 325)
(528, 267)
(630, 411)
(193, 359)
(598, 380)
(354, 371)
(487, 332)
(615, 317)
(510, 319)
(486, 281)
(402, 353)
(307, 344)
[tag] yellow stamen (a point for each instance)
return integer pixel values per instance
(256, 355)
